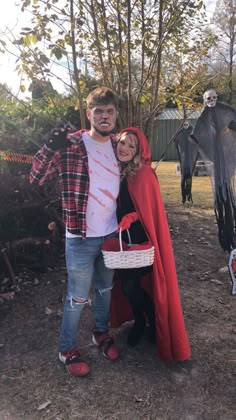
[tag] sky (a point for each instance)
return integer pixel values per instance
(12, 17)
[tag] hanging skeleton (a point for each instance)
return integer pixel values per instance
(215, 136)
(210, 98)
(187, 153)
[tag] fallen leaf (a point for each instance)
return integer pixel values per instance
(223, 270)
(48, 311)
(137, 399)
(44, 405)
(7, 296)
(216, 281)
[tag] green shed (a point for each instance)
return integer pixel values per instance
(165, 126)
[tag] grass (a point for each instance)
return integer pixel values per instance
(170, 185)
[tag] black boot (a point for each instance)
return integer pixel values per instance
(140, 303)
(148, 309)
(151, 333)
(136, 332)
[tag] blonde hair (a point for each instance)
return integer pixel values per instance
(129, 169)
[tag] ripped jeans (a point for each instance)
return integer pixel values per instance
(85, 266)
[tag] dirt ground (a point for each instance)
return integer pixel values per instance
(34, 385)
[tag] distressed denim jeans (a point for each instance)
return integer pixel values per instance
(85, 266)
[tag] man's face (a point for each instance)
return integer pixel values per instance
(102, 119)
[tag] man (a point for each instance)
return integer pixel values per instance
(89, 179)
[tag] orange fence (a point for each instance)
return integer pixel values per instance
(16, 157)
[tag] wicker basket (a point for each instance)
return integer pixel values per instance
(128, 259)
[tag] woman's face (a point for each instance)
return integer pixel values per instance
(127, 147)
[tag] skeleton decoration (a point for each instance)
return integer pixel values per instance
(187, 153)
(214, 139)
(210, 98)
(217, 143)
(215, 136)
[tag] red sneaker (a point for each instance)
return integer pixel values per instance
(106, 345)
(75, 365)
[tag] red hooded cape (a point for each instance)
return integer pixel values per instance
(161, 284)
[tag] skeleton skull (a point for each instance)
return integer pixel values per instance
(186, 125)
(210, 98)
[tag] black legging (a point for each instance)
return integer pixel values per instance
(139, 299)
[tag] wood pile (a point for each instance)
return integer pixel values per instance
(31, 229)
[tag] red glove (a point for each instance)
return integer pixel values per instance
(127, 220)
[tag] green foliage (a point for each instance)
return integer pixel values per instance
(23, 124)
(53, 25)
(131, 46)
(224, 19)
(220, 83)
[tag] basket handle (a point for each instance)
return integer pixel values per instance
(120, 238)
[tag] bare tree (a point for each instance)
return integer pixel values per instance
(123, 43)
(224, 20)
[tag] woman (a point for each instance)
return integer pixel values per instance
(153, 294)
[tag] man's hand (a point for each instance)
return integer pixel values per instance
(57, 139)
(127, 220)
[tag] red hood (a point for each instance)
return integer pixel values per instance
(143, 142)
(161, 284)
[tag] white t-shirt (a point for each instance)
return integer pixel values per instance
(104, 176)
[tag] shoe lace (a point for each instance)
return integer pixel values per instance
(72, 354)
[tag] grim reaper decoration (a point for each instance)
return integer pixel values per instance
(187, 153)
(215, 136)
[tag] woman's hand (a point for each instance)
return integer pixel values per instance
(127, 220)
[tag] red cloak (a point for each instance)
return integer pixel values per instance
(161, 284)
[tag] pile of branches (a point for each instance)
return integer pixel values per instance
(31, 229)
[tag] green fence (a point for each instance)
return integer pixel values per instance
(165, 127)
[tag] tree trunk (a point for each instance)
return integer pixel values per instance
(157, 75)
(76, 71)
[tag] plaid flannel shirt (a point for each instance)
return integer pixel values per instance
(71, 167)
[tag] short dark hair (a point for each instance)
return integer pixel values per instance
(102, 96)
